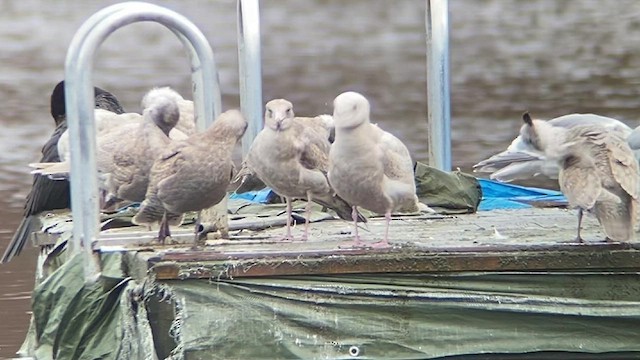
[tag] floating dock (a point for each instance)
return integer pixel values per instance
(497, 284)
(489, 284)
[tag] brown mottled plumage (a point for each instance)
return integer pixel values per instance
(127, 145)
(291, 156)
(126, 154)
(192, 174)
(524, 160)
(598, 173)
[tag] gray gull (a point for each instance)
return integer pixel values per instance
(598, 173)
(521, 160)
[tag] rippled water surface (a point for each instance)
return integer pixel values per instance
(507, 56)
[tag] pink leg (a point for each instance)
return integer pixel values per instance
(307, 217)
(354, 216)
(164, 231)
(289, 211)
(195, 231)
(357, 242)
(384, 243)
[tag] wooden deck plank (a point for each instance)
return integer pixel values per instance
(526, 240)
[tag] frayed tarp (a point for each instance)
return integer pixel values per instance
(411, 316)
(106, 319)
(358, 316)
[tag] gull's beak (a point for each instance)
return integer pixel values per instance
(279, 118)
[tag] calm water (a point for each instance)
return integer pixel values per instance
(549, 57)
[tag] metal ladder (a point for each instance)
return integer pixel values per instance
(80, 108)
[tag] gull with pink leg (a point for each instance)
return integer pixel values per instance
(291, 156)
(370, 167)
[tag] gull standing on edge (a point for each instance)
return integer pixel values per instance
(291, 156)
(368, 166)
(47, 194)
(192, 174)
(598, 173)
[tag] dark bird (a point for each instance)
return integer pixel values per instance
(47, 194)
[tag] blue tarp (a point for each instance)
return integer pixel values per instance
(497, 195)
(257, 196)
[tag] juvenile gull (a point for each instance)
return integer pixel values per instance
(368, 166)
(47, 194)
(106, 121)
(186, 124)
(521, 160)
(291, 156)
(126, 154)
(598, 173)
(192, 174)
(251, 182)
(127, 145)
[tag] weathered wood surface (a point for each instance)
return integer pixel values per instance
(505, 240)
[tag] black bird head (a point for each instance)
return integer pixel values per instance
(104, 100)
(58, 108)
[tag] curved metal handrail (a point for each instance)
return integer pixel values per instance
(80, 103)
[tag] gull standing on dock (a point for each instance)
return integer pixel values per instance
(598, 173)
(521, 160)
(291, 156)
(192, 174)
(368, 166)
(47, 194)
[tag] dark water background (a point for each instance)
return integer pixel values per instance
(507, 56)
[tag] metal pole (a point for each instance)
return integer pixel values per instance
(250, 69)
(438, 89)
(80, 104)
(72, 95)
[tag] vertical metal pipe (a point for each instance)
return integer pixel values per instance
(250, 70)
(438, 89)
(72, 95)
(80, 104)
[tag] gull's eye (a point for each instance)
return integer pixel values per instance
(289, 111)
(270, 112)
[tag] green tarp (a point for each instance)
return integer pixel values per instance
(391, 316)
(402, 316)
(101, 320)
(447, 192)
